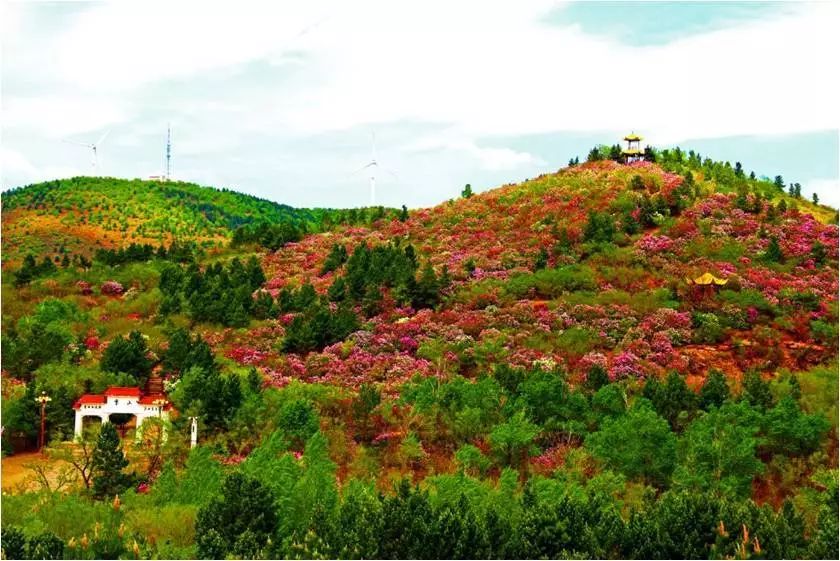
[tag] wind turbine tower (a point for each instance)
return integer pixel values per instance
(168, 151)
(373, 165)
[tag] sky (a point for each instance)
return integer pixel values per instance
(282, 99)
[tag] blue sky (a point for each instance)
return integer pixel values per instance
(659, 23)
(280, 99)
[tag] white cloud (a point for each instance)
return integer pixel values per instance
(21, 171)
(828, 191)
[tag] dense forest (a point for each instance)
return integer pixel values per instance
(609, 361)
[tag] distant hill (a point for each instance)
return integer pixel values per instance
(82, 213)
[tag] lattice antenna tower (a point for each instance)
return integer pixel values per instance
(168, 151)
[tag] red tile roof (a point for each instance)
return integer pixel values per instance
(89, 399)
(150, 399)
(115, 391)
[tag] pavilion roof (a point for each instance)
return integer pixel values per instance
(118, 391)
(707, 279)
(89, 399)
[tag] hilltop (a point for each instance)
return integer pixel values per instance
(548, 346)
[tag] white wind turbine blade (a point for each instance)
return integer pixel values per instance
(76, 142)
(364, 167)
(102, 138)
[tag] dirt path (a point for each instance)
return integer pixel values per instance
(15, 476)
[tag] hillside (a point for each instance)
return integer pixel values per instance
(540, 357)
(83, 213)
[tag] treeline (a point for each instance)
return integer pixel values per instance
(368, 274)
(31, 269)
(219, 293)
(274, 235)
(270, 236)
(136, 253)
(469, 519)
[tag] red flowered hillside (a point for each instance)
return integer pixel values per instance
(626, 305)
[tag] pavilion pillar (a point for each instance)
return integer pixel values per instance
(79, 424)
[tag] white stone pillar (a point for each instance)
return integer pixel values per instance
(193, 432)
(79, 425)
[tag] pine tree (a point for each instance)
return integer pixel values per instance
(108, 464)
(404, 214)
(467, 192)
(714, 390)
(773, 252)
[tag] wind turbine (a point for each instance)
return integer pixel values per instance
(94, 147)
(373, 165)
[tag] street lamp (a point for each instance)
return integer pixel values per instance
(43, 399)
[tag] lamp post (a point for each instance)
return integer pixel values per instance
(43, 399)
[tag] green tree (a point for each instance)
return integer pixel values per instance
(773, 253)
(128, 355)
(673, 400)
(717, 451)
(714, 390)
(639, 444)
(240, 521)
(13, 542)
(513, 441)
(467, 192)
(298, 420)
(756, 391)
(45, 545)
(790, 431)
(108, 463)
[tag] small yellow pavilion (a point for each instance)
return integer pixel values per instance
(704, 286)
(633, 152)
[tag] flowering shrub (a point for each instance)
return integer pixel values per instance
(655, 244)
(111, 288)
(625, 365)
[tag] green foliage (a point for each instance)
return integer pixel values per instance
(108, 463)
(13, 543)
(471, 460)
(467, 191)
(209, 395)
(32, 270)
(298, 419)
(673, 400)
(790, 431)
(639, 444)
(240, 521)
(707, 328)
(319, 327)
(219, 294)
(714, 390)
(128, 355)
(717, 451)
(756, 391)
(335, 259)
(185, 352)
(513, 441)
(773, 253)
(270, 236)
(600, 227)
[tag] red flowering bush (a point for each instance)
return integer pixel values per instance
(111, 288)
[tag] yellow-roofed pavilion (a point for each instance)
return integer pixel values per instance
(633, 152)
